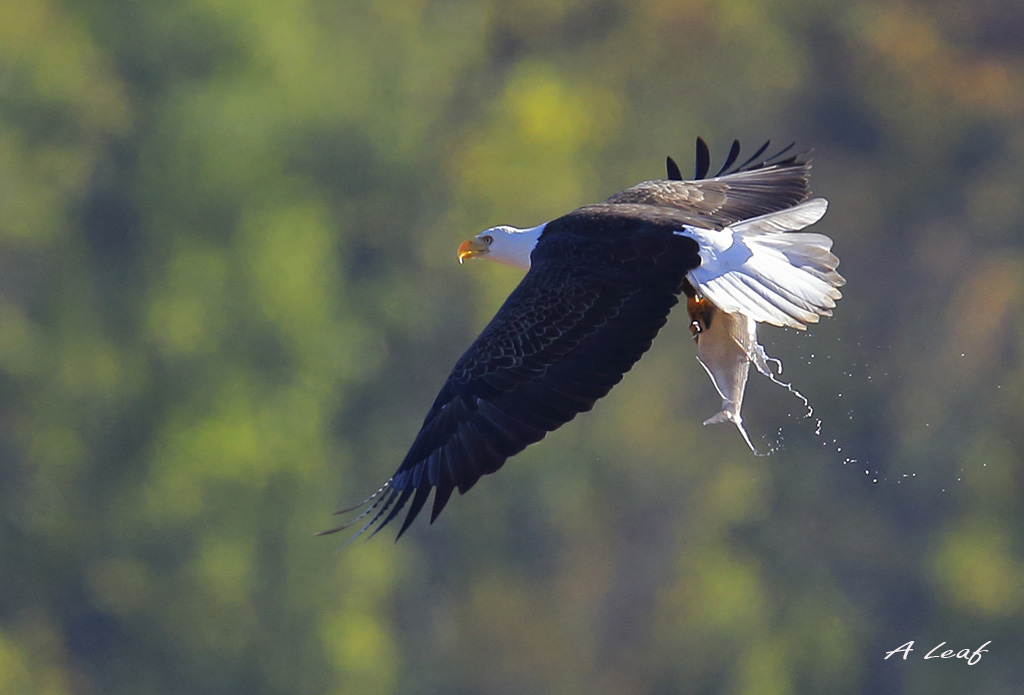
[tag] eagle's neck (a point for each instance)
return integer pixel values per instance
(513, 246)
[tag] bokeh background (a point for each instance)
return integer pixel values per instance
(228, 293)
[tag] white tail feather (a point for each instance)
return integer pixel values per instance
(764, 269)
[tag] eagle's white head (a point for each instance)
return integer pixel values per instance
(504, 244)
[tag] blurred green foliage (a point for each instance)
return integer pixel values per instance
(228, 293)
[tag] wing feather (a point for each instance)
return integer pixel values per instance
(755, 187)
(672, 172)
(702, 161)
(562, 340)
(734, 153)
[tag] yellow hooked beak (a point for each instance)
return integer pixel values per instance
(471, 248)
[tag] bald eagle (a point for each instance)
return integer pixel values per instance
(599, 285)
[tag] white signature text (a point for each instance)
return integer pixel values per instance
(936, 652)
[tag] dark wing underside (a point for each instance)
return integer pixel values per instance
(582, 316)
(755, 187)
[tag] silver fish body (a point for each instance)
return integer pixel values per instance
(726, 347)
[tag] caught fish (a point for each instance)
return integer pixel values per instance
(726, 347)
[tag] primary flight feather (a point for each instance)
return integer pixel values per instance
(599, 285)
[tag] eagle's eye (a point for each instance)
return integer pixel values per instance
(487, 239)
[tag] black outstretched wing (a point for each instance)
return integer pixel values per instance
(755, 187)
(582, 316)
